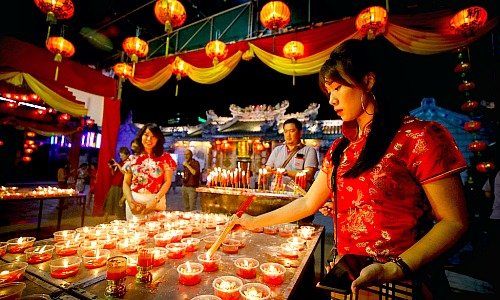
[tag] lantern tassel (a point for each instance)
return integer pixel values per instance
(133, 69)
(167, 45)
(120, 83)
(177, 89)
(57, 73)
(48, 34)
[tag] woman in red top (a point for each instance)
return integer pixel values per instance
(148, 175)
(112, 205)
(392, 171)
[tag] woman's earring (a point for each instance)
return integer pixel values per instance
(363, 103)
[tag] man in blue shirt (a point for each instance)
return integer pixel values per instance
(293, 156)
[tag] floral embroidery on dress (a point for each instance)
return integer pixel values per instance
(420, 147)
(148, 172)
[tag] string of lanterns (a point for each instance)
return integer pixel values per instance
(466, 23)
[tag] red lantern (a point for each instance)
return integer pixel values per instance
(12, 105)
(293, 50)
(135, 49)
(469, 20)
(216, 50)
(56, 9)
(172, 14)
(30, 134)
(64, 117)
(123, 70)
(462, 67)
(485, 166)
(371, 21)
(477, 146)
(28, 150)
(470, 105)
(180, 68)
(61, 48)
(26, 159)
(1, 143)
(472, 126)
(275, 15)
(41, 112)
(466, 86)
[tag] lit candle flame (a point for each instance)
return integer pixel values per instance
(20, 240)
(188, 267)
(65, 263)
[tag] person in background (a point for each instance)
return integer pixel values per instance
(112, 203)
(387, 176)
(62, 176)
(491, 189)
(190, 180)
(82, 179)
(149, 175)
(293, 156)
(92, 182)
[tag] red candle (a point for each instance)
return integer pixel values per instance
(289, 250)
(210, 263)
(131, 266)
(19, 245)
(39, 254)
(67, 272)
(209, 241)
(192, 244)
(66, 252)
(255, 291)
(176, 235)
(39, 258)
(146, 257)
(160, 257)
(246, 267)
(227, 287)
(176, 250)
(272, 230)
(273, 273)
(162, 239)
(127, 245)
(109, 243)
(230, 246)
(11, 272)
(116, 268)
(190, 273)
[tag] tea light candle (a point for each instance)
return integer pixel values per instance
(121, 223)
(289, 250)
(160, 256)
(127, 245)
(66, 267)
(176, 250)
(145, 258)
(39, 254)
(11, 272)
(64, 235)
(230, 246)
(131, 265)
(189, 273)
(272, 230)
(187, 215)
(186, 231)
(192, 244)
(257, 230)
(3, 248)
(196, 227)
(306, 232)
(109, 242)
(95, 258)
(141, 237)
(297, 241)
(246, 267)
(241, 237)
(273, 273)
(176, 235)
(67, 248)
(255, 291)
(227, 287)
(20, 244)
(209, 241)
(90, 245)
(210, 263)
(84, 231)
(162, 239)
(286, 230)
(152, 227)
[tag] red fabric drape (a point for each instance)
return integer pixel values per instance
(110, 127)
(39, 63)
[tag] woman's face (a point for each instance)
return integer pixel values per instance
(123, 156)
(149, 140)
(346, 100)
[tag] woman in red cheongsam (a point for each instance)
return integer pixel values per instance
(392, 171)
(148, 175)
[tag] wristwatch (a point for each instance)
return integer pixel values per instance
(407, 272)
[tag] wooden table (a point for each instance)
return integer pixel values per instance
(60, 207)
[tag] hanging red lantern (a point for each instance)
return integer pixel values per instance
(216, 50)
(61, 48)
(12, 105)
(485, 166)
(275, 15)
(462, 67)
(41, 111)
(26, 159)
(371, 21)
(123, 70)
(180, 68)
(171, 13)
(466, 86)
(469, 105)
(28, 150)
(33, 146)
(30, 134)
(1, 143)
(472, 126)
(135, 49)
(56, 9)
(469, 20)
(293, 50)
(477, 146)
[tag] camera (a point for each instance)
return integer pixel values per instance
(111, 162)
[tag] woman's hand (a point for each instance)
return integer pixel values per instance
(136, 207)
(376, 273)
(246, 221)
(327, 209)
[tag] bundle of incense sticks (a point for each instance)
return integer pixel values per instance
(241, 210)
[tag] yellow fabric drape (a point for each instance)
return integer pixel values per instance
(46, 94)
(303, 66)
(154, 82)
(425, 43)
(216, 73)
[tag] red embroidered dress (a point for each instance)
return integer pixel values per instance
(148, 172)
(378, 211)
